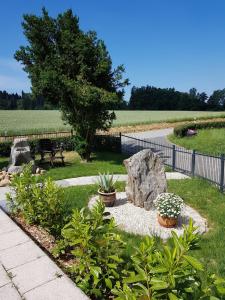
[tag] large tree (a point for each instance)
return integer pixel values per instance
(73, 69)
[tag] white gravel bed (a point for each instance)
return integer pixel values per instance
(137, 220)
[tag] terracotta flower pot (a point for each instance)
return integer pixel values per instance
(107, 198)
(167, 221)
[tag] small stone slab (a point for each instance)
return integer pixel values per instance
(13, 238)
(9, 292)
(7, 226)
(20, 254)
(34, 274)
(58, 289)
(4, 278)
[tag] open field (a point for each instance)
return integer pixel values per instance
(31, 121)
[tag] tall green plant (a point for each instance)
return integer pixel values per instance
(72, 69)
(90, 238)
(38, 200)
(168, 271)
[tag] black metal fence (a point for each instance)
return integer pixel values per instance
(186, 161)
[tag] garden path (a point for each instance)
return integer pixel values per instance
(28, 273)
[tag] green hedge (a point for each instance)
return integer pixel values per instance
(107, 143)
(101, 143)
(181, 130)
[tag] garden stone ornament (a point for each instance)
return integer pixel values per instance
(146, 178)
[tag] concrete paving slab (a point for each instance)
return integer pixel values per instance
(4, 278)
(6, 225)
(13, 238)
(3, 215)
(20, 254)
(9, 292)
(34, 274)
(58, 289)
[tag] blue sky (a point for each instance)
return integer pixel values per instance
(165, 43)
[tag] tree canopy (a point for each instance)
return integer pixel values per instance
(73, 69)
(153, 98)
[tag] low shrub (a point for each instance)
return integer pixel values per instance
(38, 200)
(100, 143)
(168, 271)
(90, 238)
(156, 270)
(181, 131)
(109, 142)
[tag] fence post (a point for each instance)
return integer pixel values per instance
(193, 163)
(221, 172)
(174, 158)
(120, 142)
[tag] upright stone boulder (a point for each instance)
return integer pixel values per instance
(20, 154)
(146, 178)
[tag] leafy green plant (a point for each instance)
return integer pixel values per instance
(80, 145)
(106, 183)
(38, 200)
(91, 240)
(168, 205)
(168, 271)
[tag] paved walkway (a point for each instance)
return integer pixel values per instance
(26, 272)
(93, 179)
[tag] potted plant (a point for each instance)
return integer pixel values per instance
(169, 208)
(106, 191)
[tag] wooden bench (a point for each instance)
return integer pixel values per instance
(55, 151)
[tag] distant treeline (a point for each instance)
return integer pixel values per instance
(143, 98)
(153, 98)
(23, 101)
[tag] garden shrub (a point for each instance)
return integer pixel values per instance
(38, 200)
(91, 239)
(100, 143)
(107, 143)
(181, 130)
(156, 270)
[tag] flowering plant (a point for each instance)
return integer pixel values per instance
(168, 205)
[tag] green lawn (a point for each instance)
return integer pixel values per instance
(75, 167)
(196, 192)
(210, 203)
(78, 196)
(209, 141)
(23, 121)
(101, 162)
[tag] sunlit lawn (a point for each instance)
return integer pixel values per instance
(210, 141)
(74, 167)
